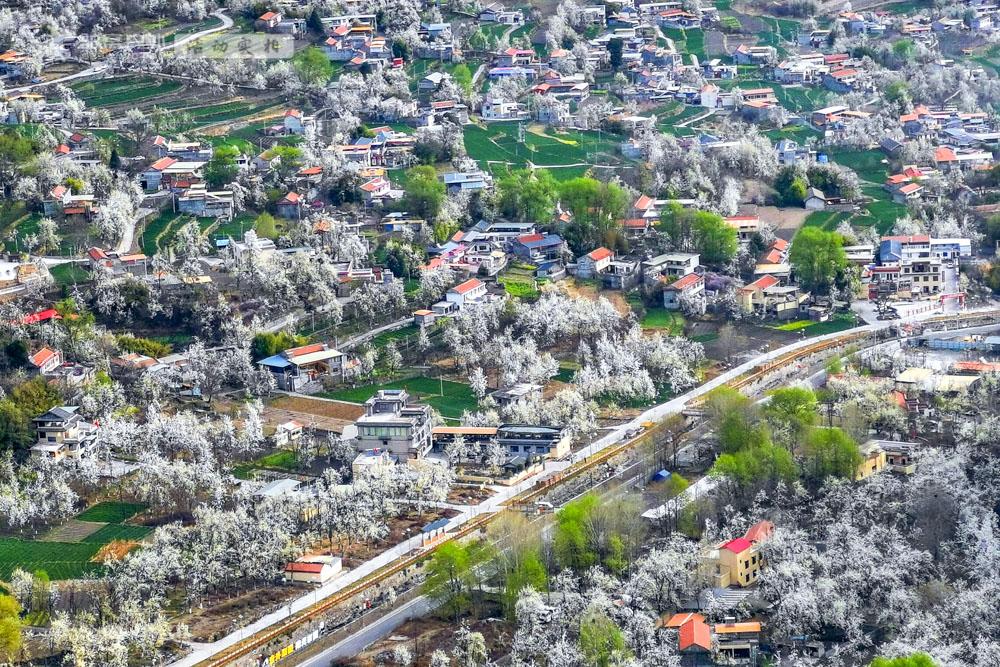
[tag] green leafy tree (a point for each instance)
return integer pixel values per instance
(462, 77)
(315, 22)
(792, 186)
(267, 344)
(312, 66)
(912, 660)
(818, 258)
(601, 641)
(830, 452)
(526, 194)
(615, 48)
(715, 240)
(791, 410)
(597, 209)
(25, 402)
(424, 192)
(222, 169)
(756, 467)
(704, 231)
(903, 49)
(528, 572)
(289, 159)
(451, 576)
(571, 542)
(10, 627)
(146, 346)
(266, 226)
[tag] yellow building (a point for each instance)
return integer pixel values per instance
(737, 562)
(873, 463)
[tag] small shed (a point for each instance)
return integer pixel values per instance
(313, 569)
(433, 531)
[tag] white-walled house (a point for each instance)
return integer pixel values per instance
(469, 292)
(688, 286)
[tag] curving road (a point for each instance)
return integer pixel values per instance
(101, 68)
(503, 494)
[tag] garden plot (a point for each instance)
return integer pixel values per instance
(123, 90)
(499, 144)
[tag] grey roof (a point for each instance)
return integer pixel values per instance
(62, 413)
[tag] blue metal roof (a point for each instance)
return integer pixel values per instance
(277, 361)
(435, 525)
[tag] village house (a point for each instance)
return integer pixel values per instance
(199, 201)
(494, 109)
(536, 248)
(593, 263)
(467, 293)
(289, 206)
(767, 297)
(297, 367)
(296, 123)
(45, 360)
(392, 424)
(755, 55)
(687, 287)
(168, 172)
(63, 433)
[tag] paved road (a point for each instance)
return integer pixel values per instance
(362, 639)
(494, 503)
(227, 23)
(101, 68)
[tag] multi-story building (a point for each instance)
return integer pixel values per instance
(62, 433)
(737, 562)
(392, 424)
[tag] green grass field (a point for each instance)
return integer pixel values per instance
(122, 89)
(69, 274)
(160, 230)
(828, 220)
(111, 512)
(385, 337)
(457, 398)
(117, 531)
(688, 41)
(497, 146)
(661, 319)
(61, 560)
(811, 328)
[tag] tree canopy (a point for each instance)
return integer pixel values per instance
(818, 258)
(597, 208)
(424, 192)
(701, 231)
(313, 66)
(526, 194)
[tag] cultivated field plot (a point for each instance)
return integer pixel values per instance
(690, 41)
(72, 550)
(457, 397)
(333, 409)
(73, 530)
(117, 531)
(111, 512)
(109, 92)
(61, 560)
(497, 145)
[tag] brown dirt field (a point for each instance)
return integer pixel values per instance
(115, 550)
(312, 406)
(585, 291)
(400, 529)
(786, 221)
(220, 615)
(72, 531)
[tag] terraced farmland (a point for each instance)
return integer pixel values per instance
(109, 92)
(498, 146)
